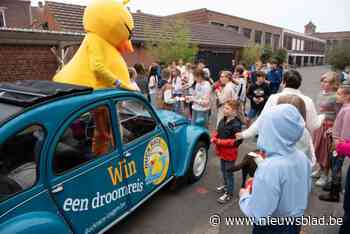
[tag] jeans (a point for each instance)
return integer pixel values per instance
(200, 114)
(228, 176)
(337, 164)
(276, 229)
(178, 105)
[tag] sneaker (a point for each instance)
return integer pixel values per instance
(316, 174)
(322, 181)
(221, 189)
(225, 198)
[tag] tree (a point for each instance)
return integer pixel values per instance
(266, 53)
(339, 56)
(172, 42)
(251, 54)
(280, 55)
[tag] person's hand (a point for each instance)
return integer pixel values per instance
(117, 84)
(243, 192)
(239, 136)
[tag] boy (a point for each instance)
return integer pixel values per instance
(258, 94)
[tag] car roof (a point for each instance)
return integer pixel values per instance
(15, 100)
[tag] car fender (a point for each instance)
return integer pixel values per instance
(34, 223)
(186, 138)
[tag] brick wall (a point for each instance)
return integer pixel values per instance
(17, 13)
(26, 62)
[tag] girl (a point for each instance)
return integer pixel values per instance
(153, 84)
(322, 138)
(226, 147)
(341, 134)
(224, 93)
(200, 98)
(166, 97)
(177, 88)
(133, 77)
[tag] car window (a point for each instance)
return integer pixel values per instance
(19, 157)
(88, 137)
(135, 120)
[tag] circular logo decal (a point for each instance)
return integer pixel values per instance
(156, 161)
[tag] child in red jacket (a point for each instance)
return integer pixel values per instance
(226, 147)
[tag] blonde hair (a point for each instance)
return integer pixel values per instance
(227, 74)
(132, 73)
(333, 79)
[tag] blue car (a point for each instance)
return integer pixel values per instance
(74, 160)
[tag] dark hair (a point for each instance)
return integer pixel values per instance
(274, 61)
(199, 73)
(292, 79)
(166, 74)
(240, 70)
(140, 69)
(260, 74)
(153, 71)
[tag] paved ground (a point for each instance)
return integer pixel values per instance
(187, 210)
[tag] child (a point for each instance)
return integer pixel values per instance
(282, 182)
(153, 85)
(341, 134)
(322, 140)
(200, 98)
(133, 76)
(226, 147)
(166, 99)
(258, 93)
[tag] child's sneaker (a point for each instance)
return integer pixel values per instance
(225, 198)
(322, 181)
(316, 174)
(221, 189)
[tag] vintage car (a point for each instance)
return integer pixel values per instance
(58, 176)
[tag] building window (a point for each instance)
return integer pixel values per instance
(298, 45)
(302, 45)
(217, 24)
(294, 44)
(258, 36)
(233, 27)
(247, 32)
(2, 17)
(276, 41)
(268, 37)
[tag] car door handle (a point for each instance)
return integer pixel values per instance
(127, 154)
(58, 188)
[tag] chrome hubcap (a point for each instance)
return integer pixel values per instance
(199, 162)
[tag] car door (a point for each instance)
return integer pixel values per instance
(145, 148)
(83, 154)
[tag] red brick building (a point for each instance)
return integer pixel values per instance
(15, 14)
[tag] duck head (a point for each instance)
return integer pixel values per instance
(110, 20)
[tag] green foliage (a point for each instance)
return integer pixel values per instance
(339, 56)
(171, 43)
(280, 55)
(251, 54)
(266, 54)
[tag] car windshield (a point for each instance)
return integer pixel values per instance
(6, 111)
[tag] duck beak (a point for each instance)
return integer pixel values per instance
(126, 47)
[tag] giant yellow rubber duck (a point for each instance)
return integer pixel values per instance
(98, 62)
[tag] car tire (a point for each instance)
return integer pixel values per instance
(199, 162)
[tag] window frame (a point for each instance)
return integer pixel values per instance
(67, 123)
(150, 111)
(2, 15)
(37, 157)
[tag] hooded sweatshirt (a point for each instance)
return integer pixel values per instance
(282, 182)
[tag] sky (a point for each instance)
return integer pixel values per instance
(327, 15)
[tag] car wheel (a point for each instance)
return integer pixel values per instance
(198, 163)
